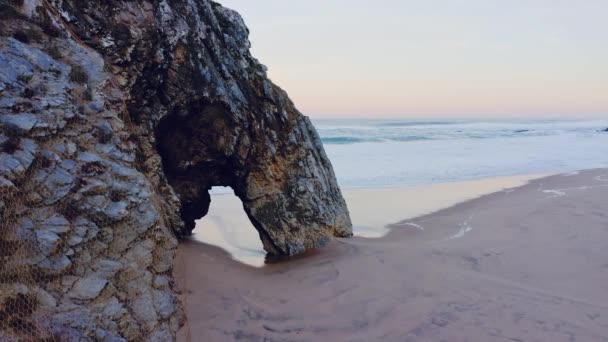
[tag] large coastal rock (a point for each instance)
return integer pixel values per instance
(116, 118)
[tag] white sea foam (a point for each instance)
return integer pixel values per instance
(602, 178)
(414, 225)
(463, 228)
(381, 153)
(571, 173)
(555, 193)
(562, 192)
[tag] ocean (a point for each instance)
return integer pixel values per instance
(383, 153)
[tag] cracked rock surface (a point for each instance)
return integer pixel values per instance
(116, 118)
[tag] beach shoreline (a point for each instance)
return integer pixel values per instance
(529, 264)
(372, 209)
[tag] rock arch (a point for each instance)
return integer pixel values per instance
(280, 173)
(115, 119)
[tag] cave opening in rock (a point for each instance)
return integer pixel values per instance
(227, 226)
(199, 152)
(191, 148)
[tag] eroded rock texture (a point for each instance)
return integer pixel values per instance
(116, 117)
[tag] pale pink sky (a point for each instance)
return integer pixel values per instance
(450, 58)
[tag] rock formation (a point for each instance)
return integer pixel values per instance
(116, 118)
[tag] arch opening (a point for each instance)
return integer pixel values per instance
(227, 225)
(201, 160)
(287, 187)
(193, 149)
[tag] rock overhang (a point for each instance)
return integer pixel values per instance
(115, 121)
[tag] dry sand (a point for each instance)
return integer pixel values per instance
(529, 264)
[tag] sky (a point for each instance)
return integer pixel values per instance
(430, 58)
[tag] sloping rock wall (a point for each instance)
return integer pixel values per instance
(116, 118)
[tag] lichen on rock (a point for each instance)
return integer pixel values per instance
(116, 119)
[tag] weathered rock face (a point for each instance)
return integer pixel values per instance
(116, 118)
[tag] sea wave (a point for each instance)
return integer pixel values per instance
(352, 140)
(344, 140)
(417, 123)
(370, 131)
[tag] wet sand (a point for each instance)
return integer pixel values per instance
(528, 264)
(372, 211)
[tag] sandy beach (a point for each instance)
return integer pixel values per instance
(373, 211)
(524, 264)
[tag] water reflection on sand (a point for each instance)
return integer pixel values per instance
(372, 211)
